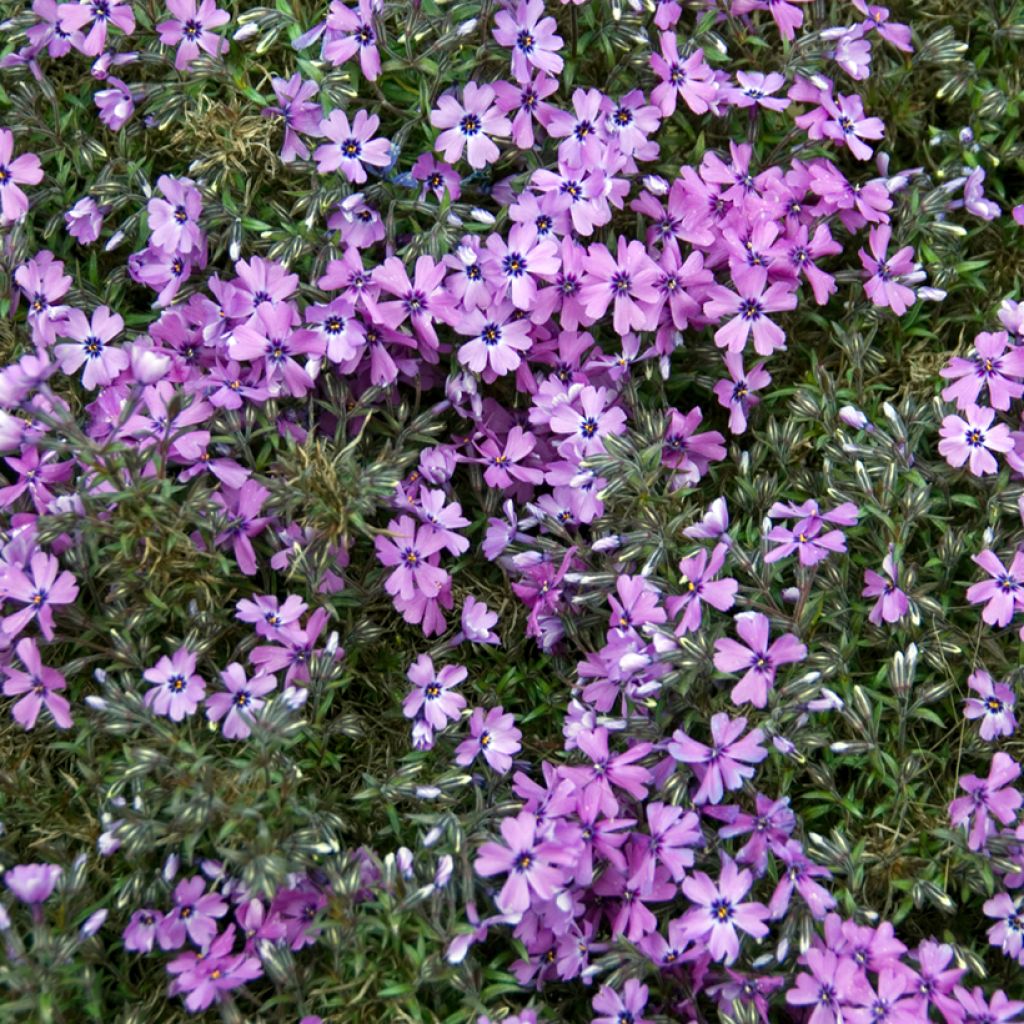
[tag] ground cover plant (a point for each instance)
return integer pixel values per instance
(511, 512)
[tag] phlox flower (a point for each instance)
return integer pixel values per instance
(737, 393)
(191, 28)
(517, 261)
(437, 177)
(23, 170)
(698, 577)
(84, 220)
(102, 361)
(32, 883)
(988, 798)
(892, 602)
(833, 982)
(607, 770)
(492, 734)
(101, 14)
(407, 551)
(532, 38)
(432, 697)
(174, 219)
(469, 125)
(972, 438)
(140, 933)
(993, 705)
(115, 104)
(806, 536)
(589, 419)
(757, 89)
(40, 590)
(533, 865)
(240, 508)
(719, 910)
(1008, 931)
(49, 31)
(690, 80)
(797, 871)
(626, 1008)
(749, 315)
(505, 463)
(990, 366)
(786, 15)
(527, 99)
(194, 914)
(877, 19)
(673, 835)
(477, 622)
(758, 658)
(714, 525)
(892, 1001)
(686, 451)
(580, 130)
(242, 699)
(627, 282)
(176, 688)
(39, 684)
(351, 145)
(974, 1007)
(421, 300)
(204, 976)
(636, 604)
(350, 31)
(497, 339)
(724, 765)
(769, 827)
(298, 111)
(847, 124)
(936, 978)
(882, 286)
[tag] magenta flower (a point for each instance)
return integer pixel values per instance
(527, 100)
(494, 735)
(351, 146)
(994, 705)
(757, 89)
(636, 604)
(533, 865)
(847, 124)
(532, 37)
(589, 424)
(300, 114)
(240, 701)
(972, 440)
(84, 220)
(688, 452)
(698, 577)
(673, 835)
(986, 799)
(497, 338)
(192, 29)
(882, 286)
(833, 983)
(102, 361)
(892, 603)
(1008, 931)
(627, 1008)
(407, 550)
(691, 80)
(23, 170)
(274, 335)
(468, 125)
(32, 883)
(140, 933)
(737, 393)
(194, 914)
(628, 281)
(174, 220)
(350, 31)
(241, 507)
(797, 872)
(39, 685)
(979, 1010)
(422, 300)
(116, 104)
(268, 615)
(177, 690)
(437, 177)
(877, 19)
(432, 698)
(990, 366)
(206, 975)
(516, 261)
(749, 314)
(759, 660)
(40, 591)
(1003, 593)
(806, 535)
(724, 765)
(719, 911)
(504, 462)
(101, 14)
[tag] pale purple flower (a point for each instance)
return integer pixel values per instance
(437, 177)
(191, 27)
(589, 420)
(351, 145)
(39, 685)
(737, 393)
(39, 590)
(478, 622)
(726, 763)
(469, 125)
(84, 220)
(755, 88)
(115, 104)
(351, 31)
(103, 362)
(240, 701)
(626, 1008)
(1008, 931)
(691, 80)
(532, 37)
(177, 689)
(194, 914)
(833, 982)
(882, 286)
(407, 551)
(494, 735)
(988, 798)
(627, 281)
(797, 871)
(748, 313)
(990, 366)
(972, 439)
(698, 578)
(497, 338)
(974, 197)
(23, 170)
(714, 525)
(300, 114)
(140, 934)
(993, 705)
(99, 15)
(755, 656)
(432, 697)
(892, 603)
(174, 219)
(32, 883)
(848, 124)
(1003, 593)
(268, 615)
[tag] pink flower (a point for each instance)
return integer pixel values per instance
(533, 38)
(589, 424)
(994, 705)
(407, 550)
(192, 28)
(177, 690)
(756, 89)
(497, 340)
(625, 1009)
(40, 591)
(467, 126)
(724, 765)
(74, 18)
(690, 80)
(892, 603)
(517, 261)
(833, 983)
(23, 170)
(102, 362)
(737, 394)
(882, 286)
(504, 462)
(719, 911)
(759, 660)
(629, 281)
(240, 702)
(698, 572)
(32, 883)
(972, 440)
(1008, 931)
(84, 220)
(749, 312)
(351, 146)
(39, 684)
(492, 734)
(989, 798)
(350, 31)
(991, 366)
(195, 913)
(174, 220)
(432, 698)
(1004, 593)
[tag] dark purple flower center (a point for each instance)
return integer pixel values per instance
(583, 130)
(180, 214)
(242, 699)
(351, 148)
(100, 10)
(38, 599)
(364, 35)
(485, 739)
(192, 30)
(677, 75)
(5, 175)
(514, 265)
(93, 347)
(721, 910)
(277, 351)
(469, 125)
(524, 861)
(621, 283)
(543, 224)
(994, 706)
(176, 683)
(846, 124)
(432, 690)
(588, 428)
(411, 557)
(883, 273)
(529, 99)
(490, 335)
(334, 324)
(800, 256)
(975, 437)
(622, 117)
(740, 391)
(525, 41)
(751, 309)
(416, 303)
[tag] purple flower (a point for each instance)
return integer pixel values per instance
(737, 394)
(698, 577)
(892, 1003)
(23, 170)
(686, 451)
(847, 124)
(589, 420)
(351, 145)
(994, 705)
(32, 883)
(516, 261)
(268, 615)
(1004, 593)
(39, 685)
(240, 702)
(980, 1011)
(84, 220)
(174, 220)
(241, 507)
(986, 799)
(532, 37)
(194, 914)
(101, 13)
(892, 603)
(407, 551)
(116, 104)
(294, 96)
(204, 976)
(724, 765)
(1008, 931)
(192, 29)
(477, 622)
(636, 604)
(531, 863)
(433, 699)
(627, 1008)
(690, 80)
(797, 871)
(527, 100)
(349, 32)
(877, 19)
(719, 911)
(759, 660)
(177, 690)
(749, 314)
(832, 983)
(437, 177)
(972, 440)
(990, 366)
(102, 362)
(497, 339)
(974, 197)
(421, 300)
(755, 88)
(140, 934)
(882, 286)
(492, 734)
(39, 591)
(468, 125)
(628, 282)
